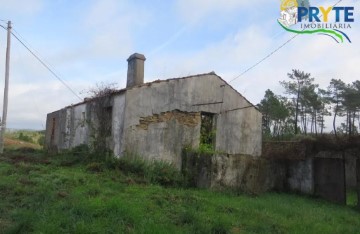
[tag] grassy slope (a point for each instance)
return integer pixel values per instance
(39, 195)
(12, 140)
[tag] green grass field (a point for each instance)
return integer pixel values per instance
(41, 194)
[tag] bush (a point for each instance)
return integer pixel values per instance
(41, 140)
(132, 165)
(156, 172)
(26, 138)
(165, 174)
(80, 150)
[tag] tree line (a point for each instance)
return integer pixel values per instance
(302, 108)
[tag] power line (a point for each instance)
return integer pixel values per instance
(266, 57)
(28, 44)
(272, 53)
(46, 66)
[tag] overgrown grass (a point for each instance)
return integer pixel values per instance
(35, 137)
(41, 194)
(352, 198)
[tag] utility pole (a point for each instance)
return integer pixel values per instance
(6, 88)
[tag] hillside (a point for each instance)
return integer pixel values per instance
(15, 139)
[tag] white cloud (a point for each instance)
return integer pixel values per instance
(190, 10)
(112, 24)
(21, 6)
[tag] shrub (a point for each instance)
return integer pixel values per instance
(156, 172)
(165, 174)
(26, 138)
(41, 140)
(132, 165)
(80, 150)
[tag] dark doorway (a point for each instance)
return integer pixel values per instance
(329, 178)
(107, 121)
(53, 125)
(207, 130)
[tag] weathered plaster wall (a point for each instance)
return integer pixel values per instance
(300, 176)
(163, 136)
(118, 123)
(243, 172)
(206, 93)
(239, 132)
(350, 157)
(61, 139)
(52, 144)
(78, 127)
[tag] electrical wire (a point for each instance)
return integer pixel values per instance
(45, 65)
(271, 53)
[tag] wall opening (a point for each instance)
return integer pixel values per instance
(83, 119)
(207, 130)
(329, 179)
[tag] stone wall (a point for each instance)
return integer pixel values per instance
(320, 173)
(322, 168)
(240, 172)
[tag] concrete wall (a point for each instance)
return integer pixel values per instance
(350, 157)
(118, 123)
(239, 132)
(61, 137)
(51, 142)
(163, 136)
(241, 172)
(300, 176)
(204, 93)
(78, 127)
(70, 128)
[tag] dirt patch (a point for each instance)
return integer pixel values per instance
(13, 143)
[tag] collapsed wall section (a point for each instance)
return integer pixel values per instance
(163, 136)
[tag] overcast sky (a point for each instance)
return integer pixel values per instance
(88, 41)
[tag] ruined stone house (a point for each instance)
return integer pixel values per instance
(158, 119)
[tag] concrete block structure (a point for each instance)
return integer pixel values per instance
(156, 120)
